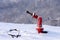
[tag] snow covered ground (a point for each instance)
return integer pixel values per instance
(28, 32)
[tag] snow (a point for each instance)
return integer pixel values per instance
(28, 32)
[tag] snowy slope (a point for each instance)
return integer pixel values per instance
(28, 32)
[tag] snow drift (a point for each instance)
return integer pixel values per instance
(28, 32)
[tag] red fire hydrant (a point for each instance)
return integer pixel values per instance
(39, 23)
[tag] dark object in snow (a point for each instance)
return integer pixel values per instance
(13, 30)
(44, 31)
(14, 33)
